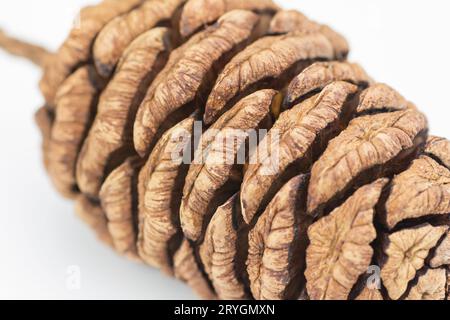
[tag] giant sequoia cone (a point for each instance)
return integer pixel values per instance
(345, 197)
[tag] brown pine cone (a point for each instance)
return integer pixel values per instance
(345, 197)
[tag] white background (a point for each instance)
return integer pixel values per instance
(402, 43)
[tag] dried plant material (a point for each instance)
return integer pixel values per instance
(439, 148)
(340, 44)
(430, 286)
(286, 21)
(422, 190)
(118, 202)
(448, 284)
(264, 60)
(290, 140)
(92, 215)
(198, 13)
(406, 251)
(219, 252)
(110, 136)
(34, 53)
(277, 243)
(187, 270)
(189, 68)
(379, 97)
(442, 254)
(75, 103)
(320, 74)
(161, 186)
(44, 120)
(370, 295)
(215, 158)
(121, 31)
(120, 139)
(77, 47)
(340, 250)
(368, 143)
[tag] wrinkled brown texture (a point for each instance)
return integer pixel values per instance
(290, 140)
(189, 66)
(44, 121)
(340, 133)
(121, 31)
(367, 142)
(340, 248)
(75, 104)
(442, 254)
(448, 283)
(406, 252)
(110, 134)
(266, 59)
(423, 189)
(116, 197)
(321, 74)
(219, 252)
(92, 215)
(380, 97)
(370, 295)
(187, 270)
(199, 13)
(291, 20)
(77, 47)
(430, 286)
(215, 158)
(439, 148)
(160, 195)
(277, 244)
